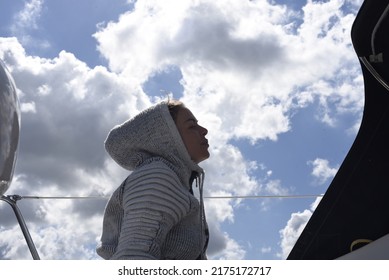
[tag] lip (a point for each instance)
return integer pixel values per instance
(205, 143)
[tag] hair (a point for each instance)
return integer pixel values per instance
(174, 107)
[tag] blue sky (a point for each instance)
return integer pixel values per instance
(276, 83)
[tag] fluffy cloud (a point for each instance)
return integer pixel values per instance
(294, 227)
(68, 109)
(27, 20)
(250, 55)
(321, 170)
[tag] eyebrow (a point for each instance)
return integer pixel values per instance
(192, 119)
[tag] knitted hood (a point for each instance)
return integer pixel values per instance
(152, 133)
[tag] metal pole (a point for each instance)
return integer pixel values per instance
(11, 200)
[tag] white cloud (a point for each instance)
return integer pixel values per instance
(274, 187)
(61, 152)
(294, 227)
(271, 187)
(321, 170)
(67, 109)
(28, 107)
(297, 222)
(228, 250)
(266, 250)
(241, 55)
(27, 18)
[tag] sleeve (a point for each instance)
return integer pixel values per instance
(153, 202)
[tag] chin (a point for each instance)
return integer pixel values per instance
(203, 158)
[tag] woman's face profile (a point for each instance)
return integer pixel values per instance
(193, 135)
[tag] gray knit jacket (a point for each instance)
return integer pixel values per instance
(153, 214)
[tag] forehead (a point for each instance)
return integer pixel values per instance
(185, 115)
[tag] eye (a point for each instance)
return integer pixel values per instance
(192, 124)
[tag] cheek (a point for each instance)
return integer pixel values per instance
(191, 144)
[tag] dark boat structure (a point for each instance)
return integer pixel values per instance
(352, 219)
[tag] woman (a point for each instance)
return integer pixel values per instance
(154, 214)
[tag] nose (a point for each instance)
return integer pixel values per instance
(203, 130)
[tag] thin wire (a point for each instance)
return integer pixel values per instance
(207, 197)
(374, 72)
(63, 197)
(265, 196)
(373, 49)
(378, 24)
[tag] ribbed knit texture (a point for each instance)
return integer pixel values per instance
(153, 215)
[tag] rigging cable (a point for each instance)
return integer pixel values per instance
(376, 57)
(19, 197)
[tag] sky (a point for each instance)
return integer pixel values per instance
(276, 83)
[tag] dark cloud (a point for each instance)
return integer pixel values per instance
(206, 34)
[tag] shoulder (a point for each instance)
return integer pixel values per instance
(156, 171)
(155, 187)
(155, 180)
